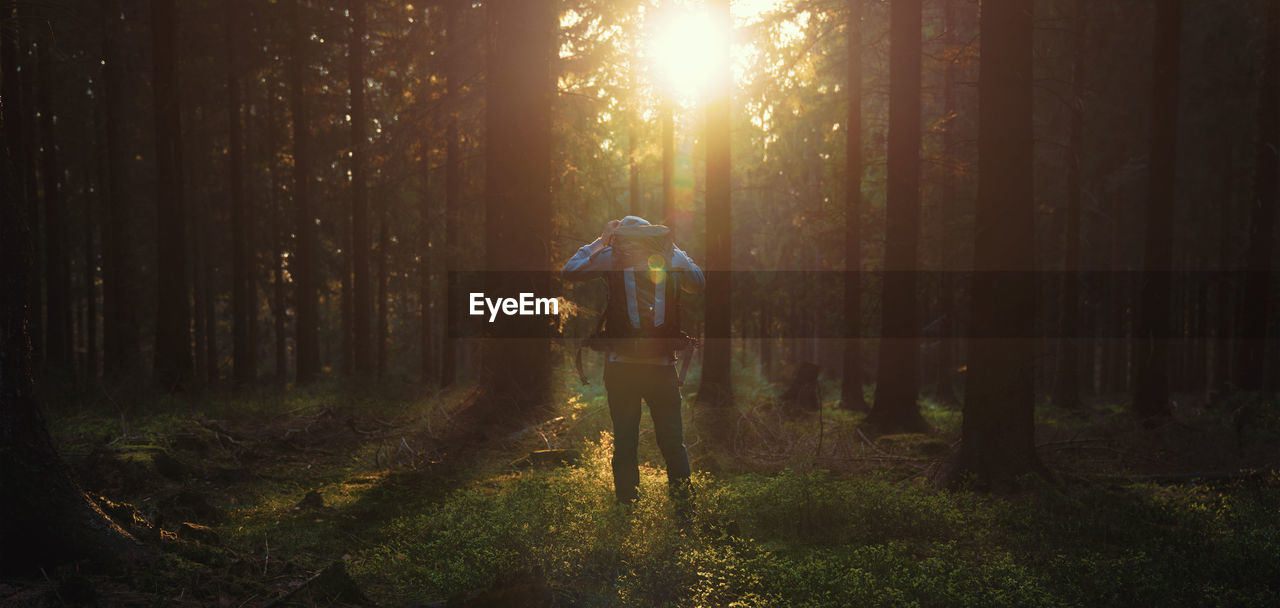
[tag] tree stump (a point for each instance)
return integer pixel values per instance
(802, 395)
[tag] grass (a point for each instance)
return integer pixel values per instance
(800, 520)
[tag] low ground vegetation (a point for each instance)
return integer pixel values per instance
(263, 494)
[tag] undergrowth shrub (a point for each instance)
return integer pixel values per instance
(812, 540)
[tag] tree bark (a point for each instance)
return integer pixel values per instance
(944, 391)
(89, 276)
(279, 312)
(302, 266)
(427, 272)
(452, 185)
(1068, 385)
(998, 427)
(715, 395)
(30, 181)
(1151, 345)
(895, 408)
(244, 292)
(45, 519)
(59, 338)
(362, 299)
(173, 355)
(121, 352)
(667, 110)
(633, 167)
(516, 383)
(1256, 292)
(851, 397)
(383, 331)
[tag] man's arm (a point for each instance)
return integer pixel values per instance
(593, 259)
(691, 279)
(588, 262)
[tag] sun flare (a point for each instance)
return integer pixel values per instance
(684, 41)
(685, 44)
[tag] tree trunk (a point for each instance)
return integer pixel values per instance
(895, 408)
(89, 276)
(944, 391)
(1113, 364)
(517, 372)
(1223, 288)
(383, 333)
(173, 355)
(452, 202)
(851, 397)
(1256, 293)
(715, 395)
(121, 354)
(30, 180)
(802, 395)
(196, 253)
(1068, 385)
(244, 293)
(277, 215)
(45, 519)
(1151, 344)
(667, 110)
(361, 298)
(426, 271)
(57, 267)
(998, 427)
(303, 264)
(209, 277)
(633, 165)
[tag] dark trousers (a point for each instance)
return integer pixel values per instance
(627, 384)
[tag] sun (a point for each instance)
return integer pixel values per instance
(685, 46)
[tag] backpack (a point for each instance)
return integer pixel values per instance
(629, 326)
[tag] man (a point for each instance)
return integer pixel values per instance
(645, 273)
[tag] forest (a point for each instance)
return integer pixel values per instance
(356, 302)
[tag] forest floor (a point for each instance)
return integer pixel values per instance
(329, 496)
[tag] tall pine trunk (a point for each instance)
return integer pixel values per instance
(998, 427)
(1151, 344)
(383, 333)
(667, 110)
(244, 292)
(45, 519)
(1256, 292)
(897, 382)
(121, 348)
(279, 312)
(1223, 288)
(715, 395)
(1068, 385)
(633, 168)
(361, 313)
(945, 391)
(452, 185)
(173, 355)
(851, 397)
(518, 229)
(57, 267)
(303, 263)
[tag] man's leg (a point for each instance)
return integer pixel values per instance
(623, 389)
(663, 396)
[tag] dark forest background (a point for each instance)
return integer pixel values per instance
(1055, 212)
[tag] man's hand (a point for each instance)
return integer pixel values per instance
(606, 237)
